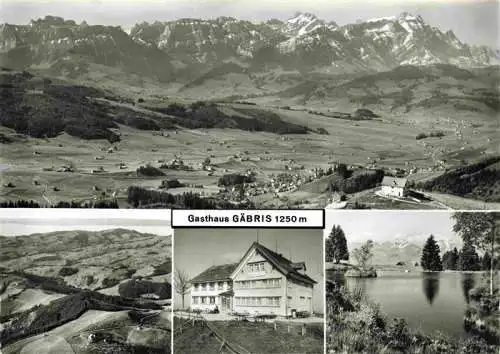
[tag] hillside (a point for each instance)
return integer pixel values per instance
(37, 107)
(440, 88)
(86, 260)
(57, 288)
(479, 180)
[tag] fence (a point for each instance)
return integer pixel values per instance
(189, 322)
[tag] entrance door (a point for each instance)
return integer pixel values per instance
(227, 303)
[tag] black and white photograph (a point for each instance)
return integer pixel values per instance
(412, 282)
(248, 291)
(71, 282)
(239, 104)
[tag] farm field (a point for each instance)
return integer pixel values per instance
(101, 170)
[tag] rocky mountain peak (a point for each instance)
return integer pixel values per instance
(303, 23)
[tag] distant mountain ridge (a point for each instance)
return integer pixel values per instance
(408, 250)
(172, 49)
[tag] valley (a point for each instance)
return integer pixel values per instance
(77, 129)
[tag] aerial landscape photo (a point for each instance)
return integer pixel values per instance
(412, 282)
(239, 104)
(84, 285)
(248, 291)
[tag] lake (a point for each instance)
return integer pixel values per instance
(427, 301)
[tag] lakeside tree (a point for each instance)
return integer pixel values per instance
(431, 259)
(486, 262)
(450, 259)
(482, 231)
(182, 284)
(336, 246)
(364, 254)
(468, 259)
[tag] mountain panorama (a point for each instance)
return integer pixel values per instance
(223, 112)
(166, 50)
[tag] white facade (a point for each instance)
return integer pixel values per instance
(260, 288)
(205, 296)
(394, 186)
(262, 283)
(393, 191)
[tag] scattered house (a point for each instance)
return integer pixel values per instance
(100, 169)
(394, 186)
(65, 169)
(262, 282)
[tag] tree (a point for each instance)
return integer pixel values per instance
(486, 262)
(342, 171)
(336, 246)
(431, 259)
(363, 254)
(450, 259)
(182, 284)
(481, 230)
(468, 259)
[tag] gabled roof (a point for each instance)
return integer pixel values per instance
(215, 273)
(394, 182)
(285, 266)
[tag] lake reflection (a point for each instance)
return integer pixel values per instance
(427, 301)
(430, 284)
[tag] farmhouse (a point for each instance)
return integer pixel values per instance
(262, 282)
(393, 186)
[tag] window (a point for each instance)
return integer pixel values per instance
(257, 301)
(220, 285)
(203, 300)
(195, 300)
(203, 286)
(256, 267)
(212, 300)
(212, 286)
(302, 298)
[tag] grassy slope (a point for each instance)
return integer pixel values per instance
(255, 337)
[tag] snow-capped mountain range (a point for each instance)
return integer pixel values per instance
(302, 42)
(407, 249)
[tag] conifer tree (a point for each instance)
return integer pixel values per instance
(336, 246)
(450, 259)
(431, 259)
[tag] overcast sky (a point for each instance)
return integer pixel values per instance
(195, 250)
(474, 21)
(25, 221)
(381, 226)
